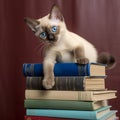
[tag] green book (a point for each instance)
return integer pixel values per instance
(63, 104)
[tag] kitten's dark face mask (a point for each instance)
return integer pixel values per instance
(47, 33)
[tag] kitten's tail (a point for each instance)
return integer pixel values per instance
(108, 59)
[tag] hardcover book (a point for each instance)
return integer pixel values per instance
(70, 95)
(109, 116)
(66, 69)
(46, 118)
(92, 115)
(76, 83)
(63, 104)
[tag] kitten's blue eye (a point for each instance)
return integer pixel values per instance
(54, 28)
(43, 35)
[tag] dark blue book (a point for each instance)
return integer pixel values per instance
(66, 69)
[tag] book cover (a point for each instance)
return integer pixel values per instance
(63, 104)
(74, 83)
(70, 95)
(97, 114)
(66, 69)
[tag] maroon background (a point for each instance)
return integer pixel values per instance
(96, 20)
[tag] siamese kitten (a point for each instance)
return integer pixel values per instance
(63, 45)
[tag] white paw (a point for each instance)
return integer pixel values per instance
(48, 83)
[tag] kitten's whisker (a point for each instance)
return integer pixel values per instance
(40, 48)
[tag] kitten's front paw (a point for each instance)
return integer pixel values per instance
(82, 60)
(48, 83)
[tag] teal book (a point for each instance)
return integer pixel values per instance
(63, 104)
(109, 116)
(75, 114)
(66, 69)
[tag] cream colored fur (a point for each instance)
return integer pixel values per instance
(67, 42)
(65, 47)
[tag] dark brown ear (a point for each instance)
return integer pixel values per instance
(56, 14)
(32, 23)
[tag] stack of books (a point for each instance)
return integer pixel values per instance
(79, 93)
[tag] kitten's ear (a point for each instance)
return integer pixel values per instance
(56, 14)
(32, 23)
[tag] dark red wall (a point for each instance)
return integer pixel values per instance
(96, 20)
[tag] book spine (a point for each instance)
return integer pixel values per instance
(51, 94)
(60, 69)
(69, 95)
(110, 115)
(74, 114)
(61, 83)
(45, 118)
(60, 104)
(33, 69)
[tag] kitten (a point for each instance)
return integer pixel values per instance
(63, 45)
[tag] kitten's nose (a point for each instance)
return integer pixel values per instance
(51, 37)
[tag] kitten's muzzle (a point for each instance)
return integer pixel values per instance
(51, 37)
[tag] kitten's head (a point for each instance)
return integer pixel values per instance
(50, 27)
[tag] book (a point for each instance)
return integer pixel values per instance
(74, 114)
(66, 69)
(73, 83)
(70, 95)
(46, 118)
(109, 116)
(63, 104)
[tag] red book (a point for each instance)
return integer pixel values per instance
(44, 118)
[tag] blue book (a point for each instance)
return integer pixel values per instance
(66, 69)
(75, 114)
